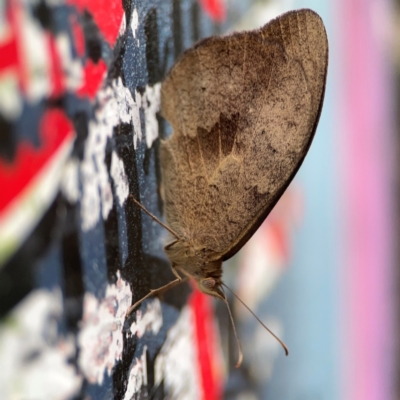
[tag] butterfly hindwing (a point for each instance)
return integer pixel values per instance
(244, 109)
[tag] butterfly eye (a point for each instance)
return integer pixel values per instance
(208, 283)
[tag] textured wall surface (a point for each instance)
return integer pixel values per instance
(79, 131)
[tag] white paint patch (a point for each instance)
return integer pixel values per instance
(35, 48)
(100, 339)
(151, 319)
(151, 106)
(135, 24)
(90, 200)
(120, 179)
(176, 363)
(70, 181)
(33, 357)
(122, 27)
(121, 103)
(10, 96)
(137, 376)
(137, 124)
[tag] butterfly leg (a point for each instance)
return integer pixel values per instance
(169, 245)
(152, 292)
(153, 217)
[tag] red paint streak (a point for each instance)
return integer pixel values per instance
(56, 72)
(206, 344)
(280, 238)
(215, 9)
(9, 54)
(79, 38)
(55, 129)
(107, 14)
(94, 75)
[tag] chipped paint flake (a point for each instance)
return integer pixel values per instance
(176, 364)
(135, 23)
(151, 319)
(137, 376)
(90, 201)
(34, 358)
(137, 125)
(120, 179)
(151, 105)
(100, 339)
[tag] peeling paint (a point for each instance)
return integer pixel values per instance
(120, 179)
(151, 319)
(116, 106)
(101, 339)
(137, 125)
(151, 105)
(137, 376)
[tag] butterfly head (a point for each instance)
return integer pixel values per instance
(212, 287)
(199, 264)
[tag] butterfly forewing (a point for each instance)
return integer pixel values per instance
(244, 109)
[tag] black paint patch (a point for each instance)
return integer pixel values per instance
(73, 274)
(8, 145)
(152, 47)
(43, 14)
(93, 37)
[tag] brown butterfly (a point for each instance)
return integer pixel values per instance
(244, 109)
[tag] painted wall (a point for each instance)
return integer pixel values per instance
(79, 97)
(79, 131)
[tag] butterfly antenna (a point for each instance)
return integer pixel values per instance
(154, 217)
(258, 319)
(240, 357)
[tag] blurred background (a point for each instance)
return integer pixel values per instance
(327, 256)
(79, 130)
